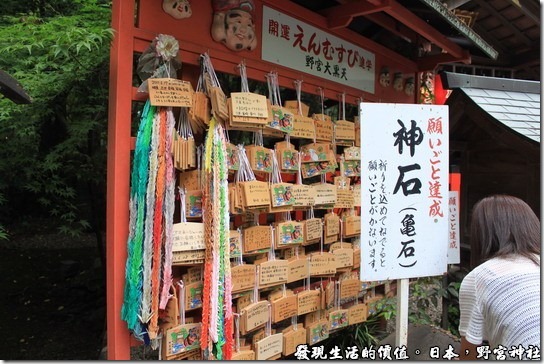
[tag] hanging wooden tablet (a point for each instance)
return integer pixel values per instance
(323, 129)
(331, 224)
(352, 226)
(313, 230)
(243, 355)
(219, 104)
(293, 336)
(338, 319)
(190, 180)
(293, 252)
(182, 338)
(193, 202)
(281, 194)
(356, 189)
(253, 316)
(297, 268)
(352, 153)
(233, 161)
(292, 105)
(282, 119)
(303, 127)
(248, 107)
(317, 332)
(235, 243)
(260, 158)
(289, 233)
(243, 301)
(199, 113)
(352, 168)
(344, 132)
(349, 288)
(287, 157)
(304, 195)
(255, 194)
(188, 237)
(170, 92)
(322, 264)
(169, 317)
(256, 238)
(344, 199)
(284, 307)
(193, 275)
(308, 301)
(343, 257)
(243, 277)
(272, 273)
(357, 313)
(325, 195)
(356, 258)
(342, 182)
(329, 293)
(269, 347)
(193, 296)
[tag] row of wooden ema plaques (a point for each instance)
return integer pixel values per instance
(293, 282)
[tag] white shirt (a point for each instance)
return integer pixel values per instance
(500, 303)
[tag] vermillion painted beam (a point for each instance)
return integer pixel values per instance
(430, 62)
(341, 15)
(118, 172)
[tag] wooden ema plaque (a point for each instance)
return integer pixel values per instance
(289, 233)
(233, 160)
(193, 275)
(191, 257)
(344, 130)
(303, 127)
(169, 317)
(284, 307)
(260, 158)
(256, 238)
(344, 199)
(357, 313)
(323, 129)
(189, 180)
(308, 301)
(343, 257)
(317, 332)
(352, 153)
(235, 243)
(349, 288)
(352, 226)
(322, 264)
(313, 230)
(304, 195)
(287, 157)
(293, 336)
(332, 224)
(356, 192)
(292, 105)
(325, 194)
(243, 277)
(272, 272)
(338, 319)
(193, 296)
(219, 104)
(282, 119)
(182, 338)
(243, 355)
(170, 92)
(193, 202)
(356, 258)
(255, 194)
(297, 269)
(254, 316)
(188, 236)
(269, 347)
(281, 194)
(249, 105)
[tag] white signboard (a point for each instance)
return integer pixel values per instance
(404, 191)
(302, 47)
(454, 249)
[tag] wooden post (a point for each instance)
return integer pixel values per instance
(118, 175)
(403, 295)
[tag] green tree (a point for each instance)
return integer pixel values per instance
(52, 155)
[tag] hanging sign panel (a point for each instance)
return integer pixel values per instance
(404, 191)
(294, 44)
(454, 249)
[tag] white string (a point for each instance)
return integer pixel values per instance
(243, 76)
(256, 288)
(181, 302)
(294, 322)
(272, 252)
(322, 96)
(298, 89)
(240, 258)
(268, 330)
(183, 206)
(237, 331)
(244, 172)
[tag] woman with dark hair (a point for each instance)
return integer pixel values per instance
(500, 298)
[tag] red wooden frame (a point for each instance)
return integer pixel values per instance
(130, 38)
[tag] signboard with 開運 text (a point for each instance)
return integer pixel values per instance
(404, 191)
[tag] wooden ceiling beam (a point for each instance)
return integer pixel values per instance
(507, 23)
(411, 20)
(529, 8)
(340, 16)
(394, 26)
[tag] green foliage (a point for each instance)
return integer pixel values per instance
(53, 152)
(451, 295)
(362, 335)
(424, 293)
